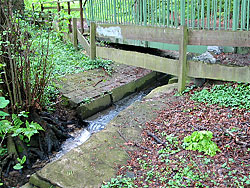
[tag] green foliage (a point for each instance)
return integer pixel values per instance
(20, 163)
(118, 182)
(201, 141)
(15, 127)
(68, 60)
(228, 95)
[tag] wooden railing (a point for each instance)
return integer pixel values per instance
(181, 35)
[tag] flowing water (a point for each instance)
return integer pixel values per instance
(98, 122)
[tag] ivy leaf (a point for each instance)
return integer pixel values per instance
(3, 102)
(18, 166)
(3, 114)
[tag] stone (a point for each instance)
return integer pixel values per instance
(215, 49)
(206, 57)
(199, 81)
(96, 160)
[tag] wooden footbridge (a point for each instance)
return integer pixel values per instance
(150, 22)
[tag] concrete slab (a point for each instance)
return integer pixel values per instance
(85, 91)
(96, 160)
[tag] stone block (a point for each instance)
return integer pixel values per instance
(96, 105)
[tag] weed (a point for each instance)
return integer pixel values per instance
(201, 141)
(20, 163)
(228, 95)
(119, 181)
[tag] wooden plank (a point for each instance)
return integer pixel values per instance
(144, 33)
(170, 66)
(218, 72)
(52, 2)
(92, 40)
(183, 59)
(52, 7)
(85, 44)
(72, 9)
(142, 60)
(172, 35)
(219, 38)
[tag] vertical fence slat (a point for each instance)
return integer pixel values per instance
(235, 3)
(202, 14)
(225, 14)
(145, 12)
(182, 12)
(198, 14)
(208, 14)
(188, 14)
(175, 14)
(248, 14)
(220, 7)
(115, 18)
(229, 14)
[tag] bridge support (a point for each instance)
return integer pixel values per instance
(183, 59)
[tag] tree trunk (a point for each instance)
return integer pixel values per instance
(18, 5)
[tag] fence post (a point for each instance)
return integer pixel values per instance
(81, 16)
(74, 32)
(183, 58)
(92, 40)
(42, 13)
(70, 28)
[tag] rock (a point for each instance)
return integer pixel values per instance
(199, 81)
(215, 49)
(206, 57)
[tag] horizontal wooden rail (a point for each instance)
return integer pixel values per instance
(52, 7)
(52, 2)
(172, 35)
(72, 9)
(155, 63)
(195, 69)
(82, 40)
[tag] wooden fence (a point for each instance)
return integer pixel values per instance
(181, 68)
(181, 35)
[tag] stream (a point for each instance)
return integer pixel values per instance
(98, 122)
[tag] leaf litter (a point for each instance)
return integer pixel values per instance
(167, 164)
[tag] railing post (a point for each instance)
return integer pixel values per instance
(58, 7)
(58, 13)
(42, 9)
(70, 28)
(183, 58)
(182, 12)
(81, 16)
(74, 32)
(235, 15)
(92, 40)
(115, 16)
